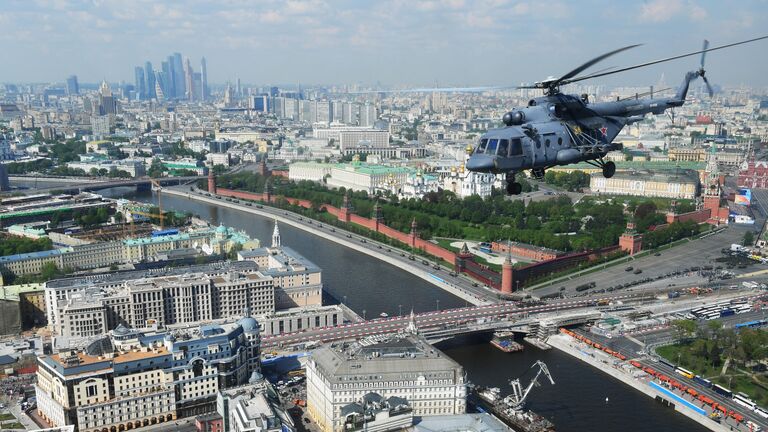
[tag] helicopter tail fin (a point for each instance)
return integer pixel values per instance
(682, 92)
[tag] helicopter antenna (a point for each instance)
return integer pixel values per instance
(650, 63)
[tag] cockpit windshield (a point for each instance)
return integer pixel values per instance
(492, 145)
(481, 148)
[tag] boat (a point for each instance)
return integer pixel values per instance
(489, 399)
(383, 315)
(506, 342)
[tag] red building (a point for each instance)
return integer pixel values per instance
(753, 174)
(535, 253)
(209, 423)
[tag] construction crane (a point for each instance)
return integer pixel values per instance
(517, 399)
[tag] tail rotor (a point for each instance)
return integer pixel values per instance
(701, 68)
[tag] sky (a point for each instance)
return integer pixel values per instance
(391, 42)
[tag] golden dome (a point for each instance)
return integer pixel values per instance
(469, 149)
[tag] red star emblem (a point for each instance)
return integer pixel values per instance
(604, 130)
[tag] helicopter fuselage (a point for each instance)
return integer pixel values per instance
(562, 129)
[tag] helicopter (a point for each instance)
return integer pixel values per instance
(561, 129)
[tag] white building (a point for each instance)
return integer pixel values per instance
(402, 366)
(308, 171)
(354, 136)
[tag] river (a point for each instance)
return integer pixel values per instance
(577, 401)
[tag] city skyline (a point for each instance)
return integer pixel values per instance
(393, 43)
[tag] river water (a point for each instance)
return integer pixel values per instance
(577, 401)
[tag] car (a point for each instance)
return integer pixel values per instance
(248, 204)
(349, 235)
(411, 257)
(630, 268)
(306, 420)
(638, 271)
(657, 254)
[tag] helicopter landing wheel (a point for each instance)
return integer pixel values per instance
(538, 173)
(514, 188)
(609, 169)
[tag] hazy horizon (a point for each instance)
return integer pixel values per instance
(394, 43)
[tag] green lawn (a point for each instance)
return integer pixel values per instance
(6, 416)
(14, 425)
(734, 380)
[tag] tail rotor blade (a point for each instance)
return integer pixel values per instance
(709, 87)
(704, 53)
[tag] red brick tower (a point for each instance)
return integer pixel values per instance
(414, 233)
(346, 209)
(378, 217)
(506, 275)
(631, 241)
(211, 182)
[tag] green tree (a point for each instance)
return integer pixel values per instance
(684, 329)
(156, 168)
(748, 239)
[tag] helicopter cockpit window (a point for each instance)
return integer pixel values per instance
(481, 147)
(503, 147)
(516, 149)
(492, 144)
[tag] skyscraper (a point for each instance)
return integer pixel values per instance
(107, 103)
(73, 87)
(168, 89)
(204, 79)
(149, 73)
(178, 76)
(141, 92)
(188, 81)
(160, 85)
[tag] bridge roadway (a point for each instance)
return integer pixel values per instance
(443, 319)
(90, 184)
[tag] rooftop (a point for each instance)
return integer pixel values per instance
(401, 355)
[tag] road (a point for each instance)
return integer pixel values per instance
(633, 351)
(436, 319)
(438, 273)
(693, 253)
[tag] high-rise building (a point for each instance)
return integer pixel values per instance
(188, 81)
(178, 76)
(100, 126)
(149, 73)
(204, 79)
(141, 92)
(367, 115)
(168, 89)
(73, 87)
(107, 104)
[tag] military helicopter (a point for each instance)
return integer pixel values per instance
(562, 129)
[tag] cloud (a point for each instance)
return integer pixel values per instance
(658, 11)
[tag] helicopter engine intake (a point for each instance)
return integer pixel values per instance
(513, 118)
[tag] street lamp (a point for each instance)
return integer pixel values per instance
(438, 304)
(400, 310)
(344, 302)
(364, 315)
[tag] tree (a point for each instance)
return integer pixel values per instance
(749, 239)
(156, 169)
(684, 328)
(49, 271)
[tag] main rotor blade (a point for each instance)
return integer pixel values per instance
(596, 75)
(436, 90)
(709, 87)
(593, 61)
(704, 48)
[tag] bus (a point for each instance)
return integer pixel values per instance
(712, 316)
(703, 381)
(722, 390)
(761, 412)
(744, 400)
(684, 372)
(751, 324)
(666, 362)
